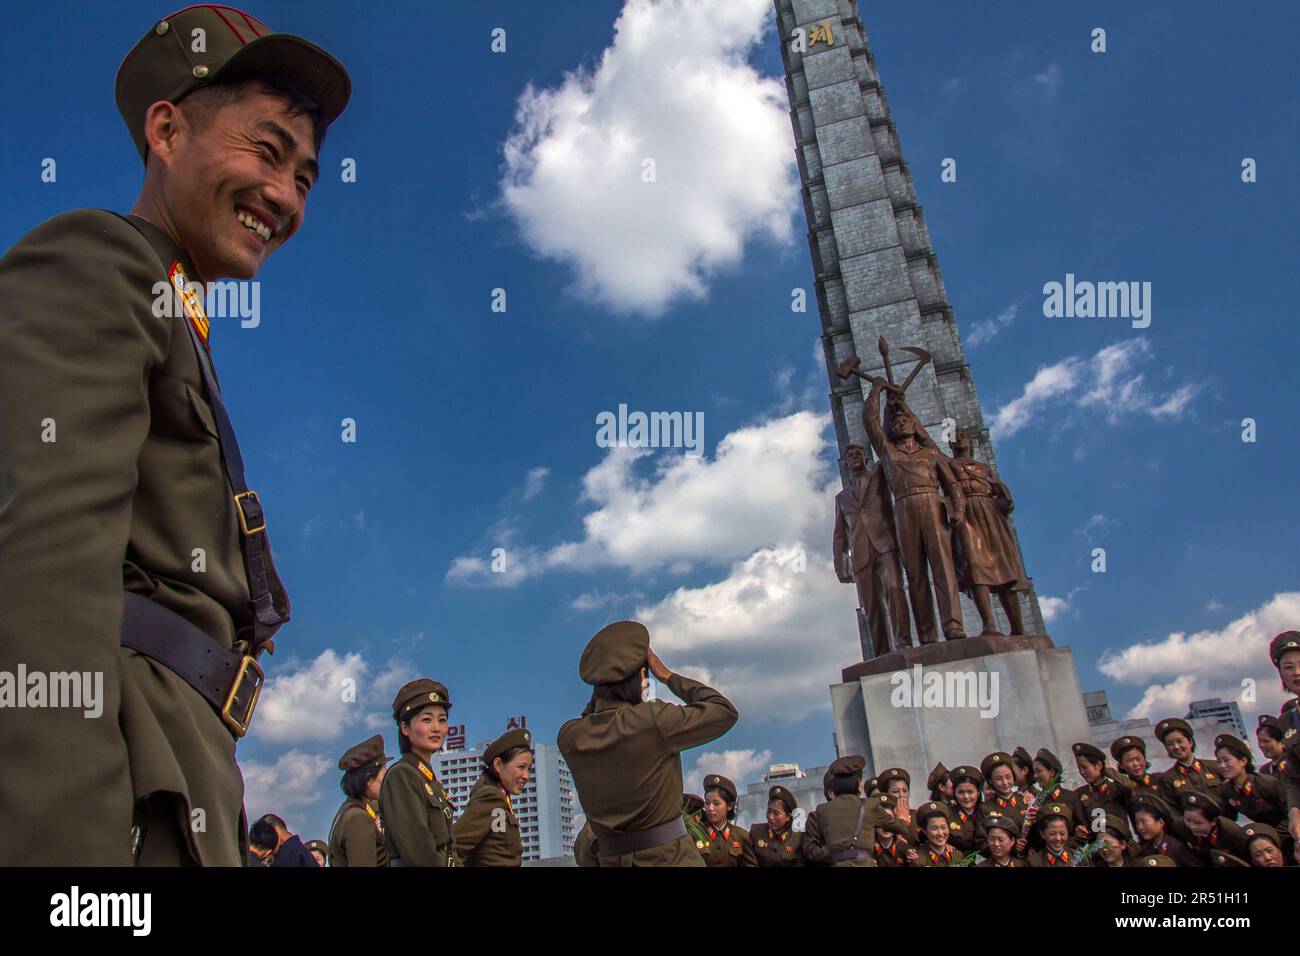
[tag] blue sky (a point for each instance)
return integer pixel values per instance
(476, 429)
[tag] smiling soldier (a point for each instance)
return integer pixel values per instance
(130, 544)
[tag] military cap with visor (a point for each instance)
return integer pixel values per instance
(417, 694)
(716, 781)
(889, 776)
(967, 772)
(1119, 826)
(936, 776)
(367, 753)
(318, 845)
(1048, 760)
(998, 758)
(1261, 831)
(1089, 751)
(1053, 810)
(1022, 754)
(784, 796)
(1208, 804)
(1233, 744)
(1169, 725)
(164, 64)
(1158, 859)
(1156, 806)
(1284, 642)
(1120, 745)
(618, 651)
(518, 737)
(995, 820)
(847, 766)
(934, 808)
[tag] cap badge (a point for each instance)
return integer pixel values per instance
(200, 71)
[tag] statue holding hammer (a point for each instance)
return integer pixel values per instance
(916, 472)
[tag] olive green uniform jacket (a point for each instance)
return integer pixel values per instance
(1203, 775)
(487, 831)
(417, 815)
(130, 486)
(627, 767)
(357, 837)
(776, 849)
(829, 830)
(584, 847)
(728, 847)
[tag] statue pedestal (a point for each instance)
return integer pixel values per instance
(957, 701)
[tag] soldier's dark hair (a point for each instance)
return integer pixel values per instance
(262, 835)
(354, 781)
(628, 689)
(506, 757)
(205, 102)
(849, 784)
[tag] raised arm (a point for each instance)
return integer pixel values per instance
(871, 418)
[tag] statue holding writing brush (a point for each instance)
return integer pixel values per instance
(916, 471)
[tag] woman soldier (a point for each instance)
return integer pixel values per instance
(940, 784)
(1155, 821)
(897, 783)
(1053, 821)
(967, 784)
(1268, 734)
(776, 843)
(1047, 774)
(1211, 832)
(935, 850)
(724, 843)
(1130, 755)
(1284, 652)
(415, 809)
(1002, 832)
(487, 831)
(625, 753)
(840, 830)
(1001, 795)
(1116, 843)
(1186, 770)
(1244, 791)
(1263, 845)
(356, 835)
(1022, 765)
(319, 850)
(1103, 790)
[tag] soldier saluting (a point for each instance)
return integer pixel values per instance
(625, 753)
(118, 462)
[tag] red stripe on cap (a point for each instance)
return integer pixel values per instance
(217, 11)
(251, 25)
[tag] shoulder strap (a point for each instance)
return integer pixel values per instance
(857, 829)
(264, 585)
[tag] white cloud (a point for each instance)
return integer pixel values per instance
(1107, 382)
(987, 329)
(763, 487)
(594, 600)
(1096, 527)
(1053, 607)
(675, 87)
(294, 781)
(769, 636)
(318, 700)
(1211, 663)
(736, 765)
(533, 483)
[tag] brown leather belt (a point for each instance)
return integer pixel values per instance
(616, 844)
(226, 679)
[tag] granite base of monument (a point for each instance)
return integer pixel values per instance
(956, 701)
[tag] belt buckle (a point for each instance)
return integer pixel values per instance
(259, 517)
(238, 721)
